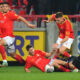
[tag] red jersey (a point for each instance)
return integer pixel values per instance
(8, 19)
(38, 60)
(65, 29)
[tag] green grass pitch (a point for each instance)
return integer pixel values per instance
(18, 73)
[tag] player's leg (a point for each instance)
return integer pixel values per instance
(63, 47)
(60, 48)
(17, 57)
(60, 67)
(2, 51)
(66, 45)
(2, 42)
(11, 48)
(60, 62)
(56, 47)
(75, 69)
(55, 62)
(11, 51)
(63, 51)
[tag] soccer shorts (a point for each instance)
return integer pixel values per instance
(67, 44)
(10, 44)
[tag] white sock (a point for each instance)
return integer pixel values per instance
(5, 61)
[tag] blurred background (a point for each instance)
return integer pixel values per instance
(45, 6)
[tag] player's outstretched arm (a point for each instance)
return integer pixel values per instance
(26, 22)
(27, 70)
(50, 53)
(50, 19)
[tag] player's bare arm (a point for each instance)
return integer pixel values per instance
(26, 22)
(50, 19)
(50, 53)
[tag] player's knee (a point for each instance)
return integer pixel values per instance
(61, 51)
(12, 55)
(70, 63)
(56, 65)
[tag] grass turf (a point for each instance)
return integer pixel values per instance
(18, 73)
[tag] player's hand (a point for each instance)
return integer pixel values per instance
(46, 21)
(55, 46)
(27, 70)
(31, 26)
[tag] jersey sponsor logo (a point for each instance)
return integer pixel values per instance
(37, 61)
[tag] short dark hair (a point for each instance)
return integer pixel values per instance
(59, 14)
(6, 3)
(28, 47)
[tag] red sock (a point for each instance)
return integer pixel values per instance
(75, 68)
(19, 58)
(64, 69)
(66, 54)
(67, 65)
(2, 51)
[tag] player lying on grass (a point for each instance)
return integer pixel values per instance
(38, 59)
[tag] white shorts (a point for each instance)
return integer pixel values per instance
(9, 40)
(10, 43)
(67, 44)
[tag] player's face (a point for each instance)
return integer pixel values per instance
(1, 7)
(59, 20)
(6, 8)
(31, 51)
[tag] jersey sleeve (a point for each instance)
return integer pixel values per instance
(13, 15)
(67, 29)
(28, 64)
(42, 53)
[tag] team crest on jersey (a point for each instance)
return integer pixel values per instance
(67, 33)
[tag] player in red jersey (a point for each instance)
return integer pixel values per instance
(8, 38)
(66, 35)
(2, 48)
(37, 58)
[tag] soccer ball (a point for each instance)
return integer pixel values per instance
(49, 68)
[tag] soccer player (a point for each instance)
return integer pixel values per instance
(37, 58)
(66, 35)
(2, 49)
(8, 17)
